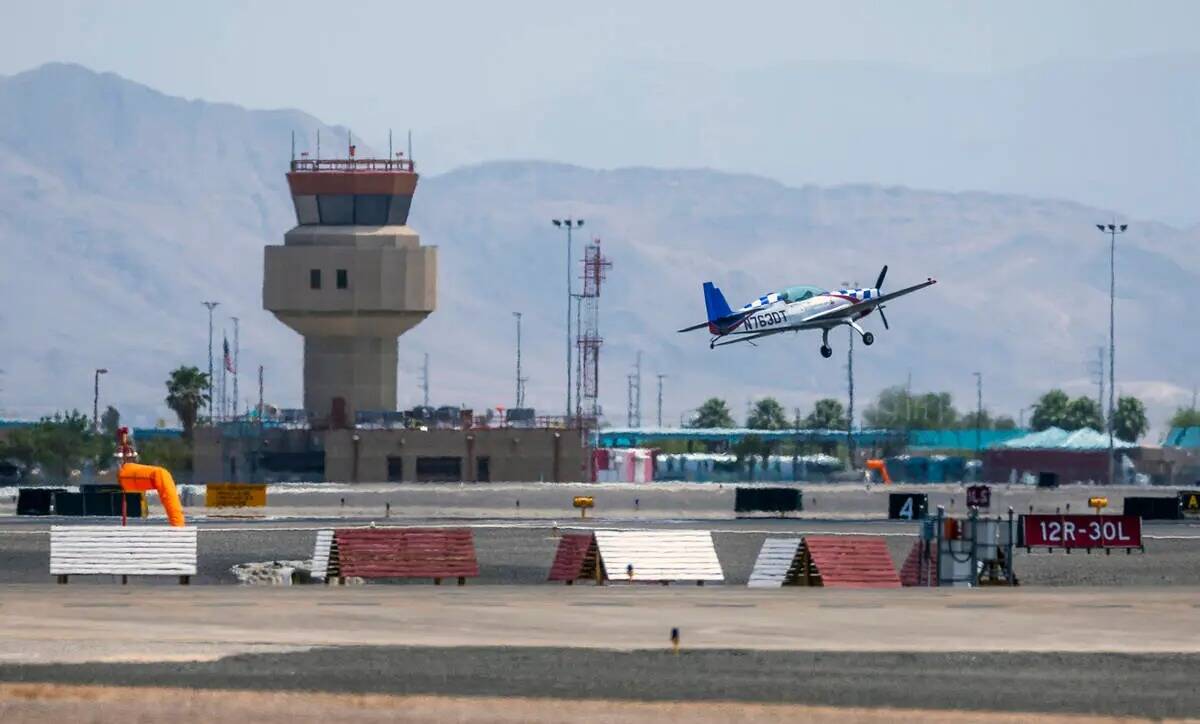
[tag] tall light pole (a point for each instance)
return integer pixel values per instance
(1112, 230)
(569, 224)
(96, 400)
(211, 306)
(978, 412)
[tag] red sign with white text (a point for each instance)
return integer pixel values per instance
(1082, 531)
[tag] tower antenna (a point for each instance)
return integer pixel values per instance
(520, 399)
(410, 156)
(318, 144)
(293, 146)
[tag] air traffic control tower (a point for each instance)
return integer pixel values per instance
(351, 277)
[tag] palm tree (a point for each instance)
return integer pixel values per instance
(767, 414)
(827, 414)
(713, 413)
(187, 392)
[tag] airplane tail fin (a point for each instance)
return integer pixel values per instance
(720, 316)
(715, 304)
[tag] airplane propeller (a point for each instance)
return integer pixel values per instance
(879, 287)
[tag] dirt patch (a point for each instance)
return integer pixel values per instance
(22, 703)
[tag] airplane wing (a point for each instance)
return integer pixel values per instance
(694, 327)
(865, 305)
(749, 337)
(892, 295)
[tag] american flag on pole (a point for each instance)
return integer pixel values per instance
(228, 358)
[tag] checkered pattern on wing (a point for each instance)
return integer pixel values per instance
(763, 301)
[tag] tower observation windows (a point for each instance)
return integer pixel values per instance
(336, 209)
(343, 279)
(314, 279)
(371, 209)
(306, 209)
(352, 209)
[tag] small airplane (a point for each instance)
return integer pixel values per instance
(795, 309)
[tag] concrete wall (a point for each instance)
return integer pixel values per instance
(513, 454)
(392, 281)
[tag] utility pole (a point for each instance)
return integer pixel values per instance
(629, 400)
(633, 395)
(211, 306)
(224, 369)
(1112, 230)
(660, 388)
(425, 380)
(637, 390)
(96, 400)
(570, 224)
(978, 412)
(850, 452)
(236, 367)
(258, 438)
(907, 407)
(850, 407)
(520, 401)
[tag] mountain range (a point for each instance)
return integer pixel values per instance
(122, 208)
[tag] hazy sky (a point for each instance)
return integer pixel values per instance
(369, 64)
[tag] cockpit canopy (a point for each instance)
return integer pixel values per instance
(797, 294)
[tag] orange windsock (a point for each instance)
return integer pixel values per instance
(135, 477)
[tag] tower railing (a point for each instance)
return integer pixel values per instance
(352, 165)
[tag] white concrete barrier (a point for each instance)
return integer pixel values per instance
(659, 556)
(776, 560)
(122, 551)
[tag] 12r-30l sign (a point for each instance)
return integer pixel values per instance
(1081, 531)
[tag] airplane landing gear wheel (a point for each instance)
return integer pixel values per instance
(826, 352)
(868, 339)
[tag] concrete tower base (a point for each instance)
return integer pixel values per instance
(360, 371)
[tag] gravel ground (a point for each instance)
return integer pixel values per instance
(524, 555)
(1121, 684)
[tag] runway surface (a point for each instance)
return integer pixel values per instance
(1106, 684)
(86, 623)
(1132, 652)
